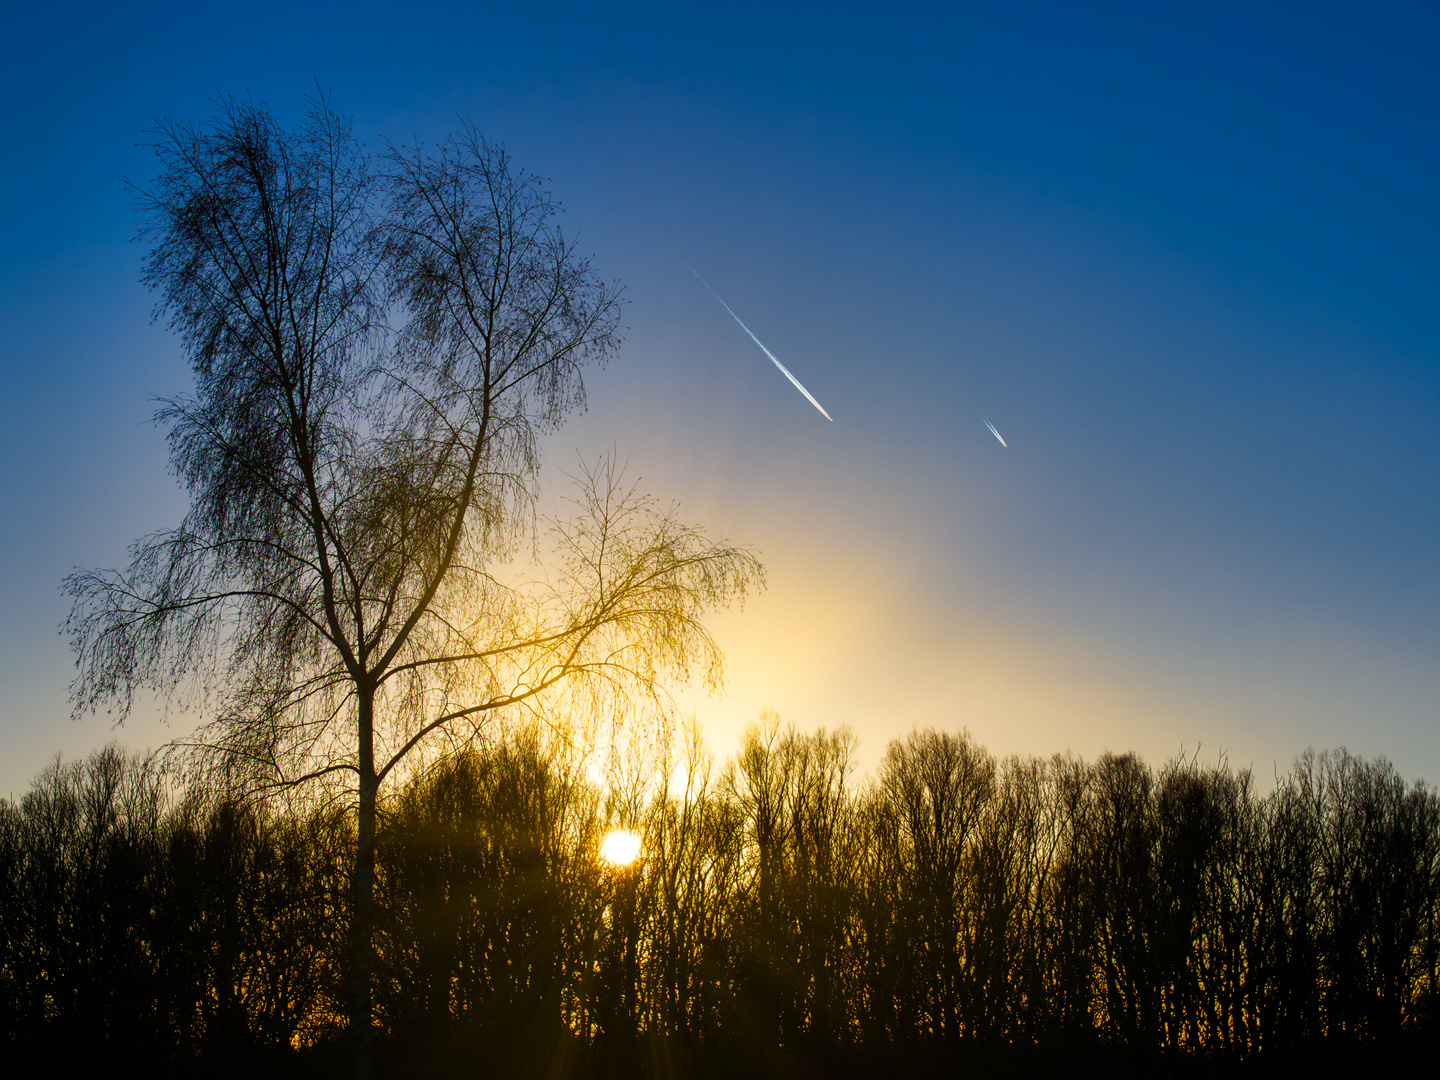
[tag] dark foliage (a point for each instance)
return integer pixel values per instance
(1005, 918)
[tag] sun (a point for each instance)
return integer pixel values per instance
(620, 847)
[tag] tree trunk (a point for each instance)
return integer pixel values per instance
(362, 917)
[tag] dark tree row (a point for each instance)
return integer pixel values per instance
(782, 917)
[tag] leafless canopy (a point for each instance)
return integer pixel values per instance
(377, 345)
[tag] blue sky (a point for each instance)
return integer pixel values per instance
(1183, 257)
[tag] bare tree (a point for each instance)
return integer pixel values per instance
(336, 598)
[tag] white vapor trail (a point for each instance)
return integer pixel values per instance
(995, 433)
(783, 369)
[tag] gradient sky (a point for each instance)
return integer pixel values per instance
(1183, 256)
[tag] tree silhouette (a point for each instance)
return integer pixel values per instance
(335, 598)
(200, 932)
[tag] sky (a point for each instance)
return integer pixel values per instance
(1183, 257)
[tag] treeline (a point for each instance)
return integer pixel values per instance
(785, 918)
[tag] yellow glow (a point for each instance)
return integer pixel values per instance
(620, 847)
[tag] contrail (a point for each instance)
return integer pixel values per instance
(783, 369)
(995, 433)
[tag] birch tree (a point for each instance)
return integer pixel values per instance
(378, 344)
